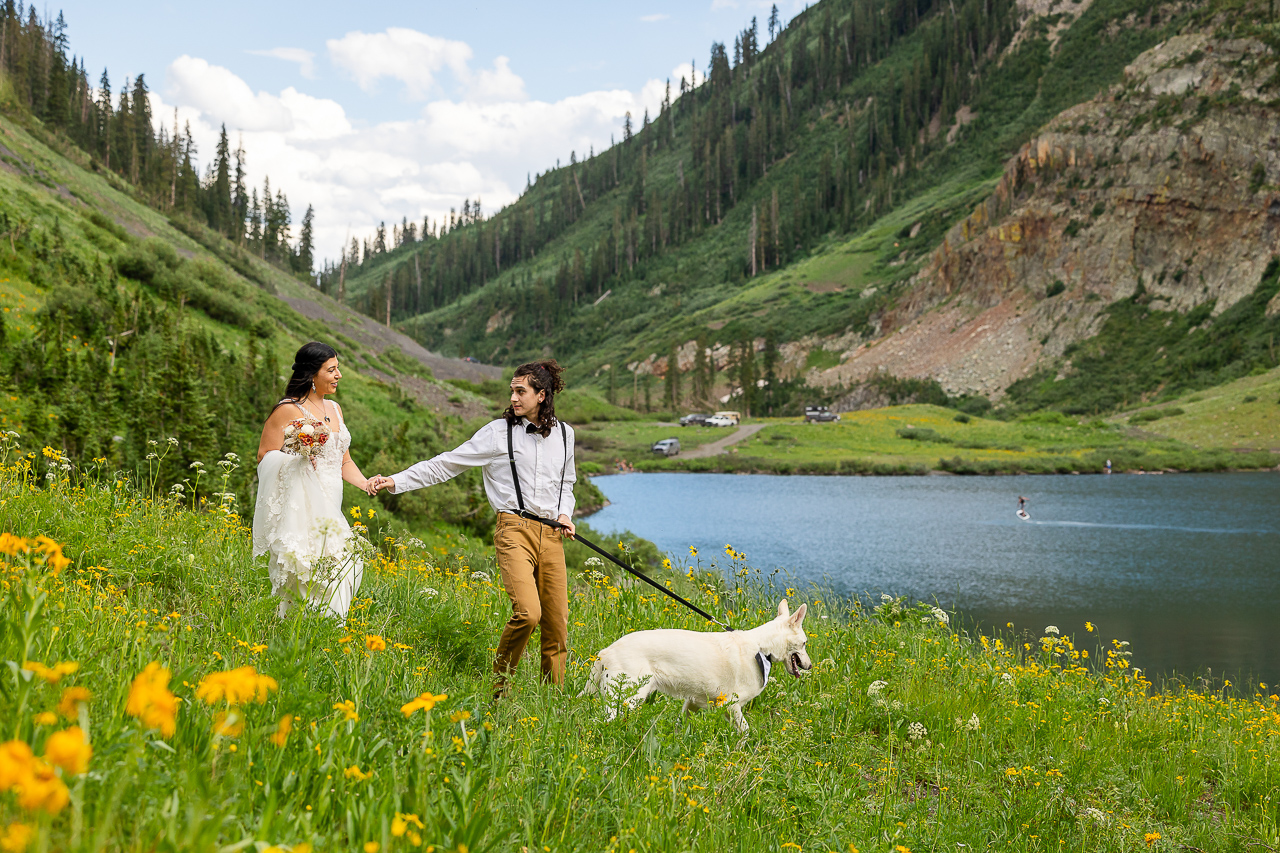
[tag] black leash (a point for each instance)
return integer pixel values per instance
(653, 583)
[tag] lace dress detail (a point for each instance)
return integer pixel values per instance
(298, 522)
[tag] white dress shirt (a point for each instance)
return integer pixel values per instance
(539, 462)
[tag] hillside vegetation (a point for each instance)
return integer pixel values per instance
(124, 327)
(155, 701)
(782, 214)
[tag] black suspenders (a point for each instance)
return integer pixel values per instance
(515, 478)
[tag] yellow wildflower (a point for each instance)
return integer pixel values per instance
(151, 701)
(372, 847)
(236, 686)
(52, 552)
(46, 718)
(1151, 838)
(348, 708)
(229, 723)
(16, 837)
(42, 789)
(459, 716)
(51, 674)
(70, 750)
(281, 735)
(13, 545)
(354, 772)
(72, 699)
(425, 702)
(374, 643)
(15, 761)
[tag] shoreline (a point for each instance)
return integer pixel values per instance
(947, 467)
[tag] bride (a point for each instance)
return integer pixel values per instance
(298, 519)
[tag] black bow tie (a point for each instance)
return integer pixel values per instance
(532, 428)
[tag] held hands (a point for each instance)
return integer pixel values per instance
(377, 483)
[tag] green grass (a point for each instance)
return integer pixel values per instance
(908, 734)
(1224, 416)
(918, 438)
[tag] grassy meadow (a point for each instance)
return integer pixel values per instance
(1243, 413)
(151, 700)
(916, 439)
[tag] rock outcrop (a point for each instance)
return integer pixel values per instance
(1167, 182)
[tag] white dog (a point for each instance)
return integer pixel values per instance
(703, 669)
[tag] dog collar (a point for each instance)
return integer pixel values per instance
(765, 662)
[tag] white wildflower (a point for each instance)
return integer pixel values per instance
(1096, 815)
(173, 441)
(885, 597)
(1052, 629)
(428, 592)
(1006, 677)
(917, 731)
(941, 615)
(197, 466)
(1103, 700)
(480, 576)
(874, 688)
(974, 723)
(593, 561)
(895, 705)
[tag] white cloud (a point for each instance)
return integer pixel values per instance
(480, 144)
(214, 90)
(500, 84)
(402, 54)
(653, 19)
(304, 58)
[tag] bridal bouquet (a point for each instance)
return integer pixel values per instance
(305, 437)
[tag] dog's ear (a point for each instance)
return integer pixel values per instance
(798, 616)
(783, 610)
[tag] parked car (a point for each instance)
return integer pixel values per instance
(667, 447)
(719, 420)
(694, 419)
(819, 415)
(736, 417)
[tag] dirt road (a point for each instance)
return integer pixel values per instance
(715, 448)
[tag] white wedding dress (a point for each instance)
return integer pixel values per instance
(298, 522)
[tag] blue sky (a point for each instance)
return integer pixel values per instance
(375, 112)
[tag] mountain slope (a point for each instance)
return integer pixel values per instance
(851, 176)
(1159, 193)
(122, 327)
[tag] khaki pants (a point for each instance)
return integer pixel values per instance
(531, 560)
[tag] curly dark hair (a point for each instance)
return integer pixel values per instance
(310, 357)
(543, 376)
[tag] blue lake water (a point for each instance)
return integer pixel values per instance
(1184, 566)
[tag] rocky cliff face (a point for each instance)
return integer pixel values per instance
(1167, 182)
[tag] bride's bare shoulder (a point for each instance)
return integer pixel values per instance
(282, 414)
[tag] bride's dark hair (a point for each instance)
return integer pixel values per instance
(310, 357)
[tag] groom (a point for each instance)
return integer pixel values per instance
(528, 467)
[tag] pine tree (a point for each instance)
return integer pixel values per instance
(220, 205)
(240, 195)
(306, 244)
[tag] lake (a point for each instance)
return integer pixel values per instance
(1184, 566)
